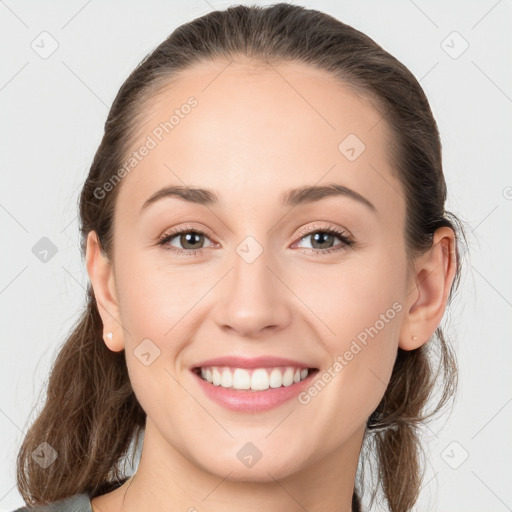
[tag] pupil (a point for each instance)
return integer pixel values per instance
(322, 236)
(191, 236)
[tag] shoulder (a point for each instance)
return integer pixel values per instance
(76, 503)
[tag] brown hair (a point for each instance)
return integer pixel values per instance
(91, 414)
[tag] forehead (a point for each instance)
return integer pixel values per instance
(250, 130)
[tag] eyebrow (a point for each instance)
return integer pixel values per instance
(292, 197)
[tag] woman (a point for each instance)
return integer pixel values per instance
(270, 259)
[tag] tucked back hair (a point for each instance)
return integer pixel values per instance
(91, 416)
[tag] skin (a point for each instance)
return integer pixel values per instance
(263, 135)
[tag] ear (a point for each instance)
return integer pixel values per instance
(101, 274)
(432, 277)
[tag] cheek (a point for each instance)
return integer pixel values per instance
(361, 309)
(158, 310)
(358, 298)
(153, 310)
(362, 355)
(150, 307)
(152, 299)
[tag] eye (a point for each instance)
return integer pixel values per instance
(322, 239)
(190, 239)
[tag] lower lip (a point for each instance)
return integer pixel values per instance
(253, 401)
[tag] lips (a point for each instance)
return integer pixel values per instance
(252, 393)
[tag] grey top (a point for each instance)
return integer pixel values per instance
(76, 503)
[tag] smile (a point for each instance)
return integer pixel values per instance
(253, 390)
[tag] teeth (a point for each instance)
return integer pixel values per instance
(258, 379)
(276, 378)
(288, 377)
(241, 379)
(216, 377)
(227, 379)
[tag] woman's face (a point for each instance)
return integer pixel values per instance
(268, 278)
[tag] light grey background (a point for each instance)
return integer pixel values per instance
(52, 115)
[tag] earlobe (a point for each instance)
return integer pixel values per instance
(101, 275)
(434, 273)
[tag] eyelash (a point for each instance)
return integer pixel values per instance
(346, 240)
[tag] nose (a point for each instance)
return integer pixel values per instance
(253, 300)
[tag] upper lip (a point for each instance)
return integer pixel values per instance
(255, 362)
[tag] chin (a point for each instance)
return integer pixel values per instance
(261, 471)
